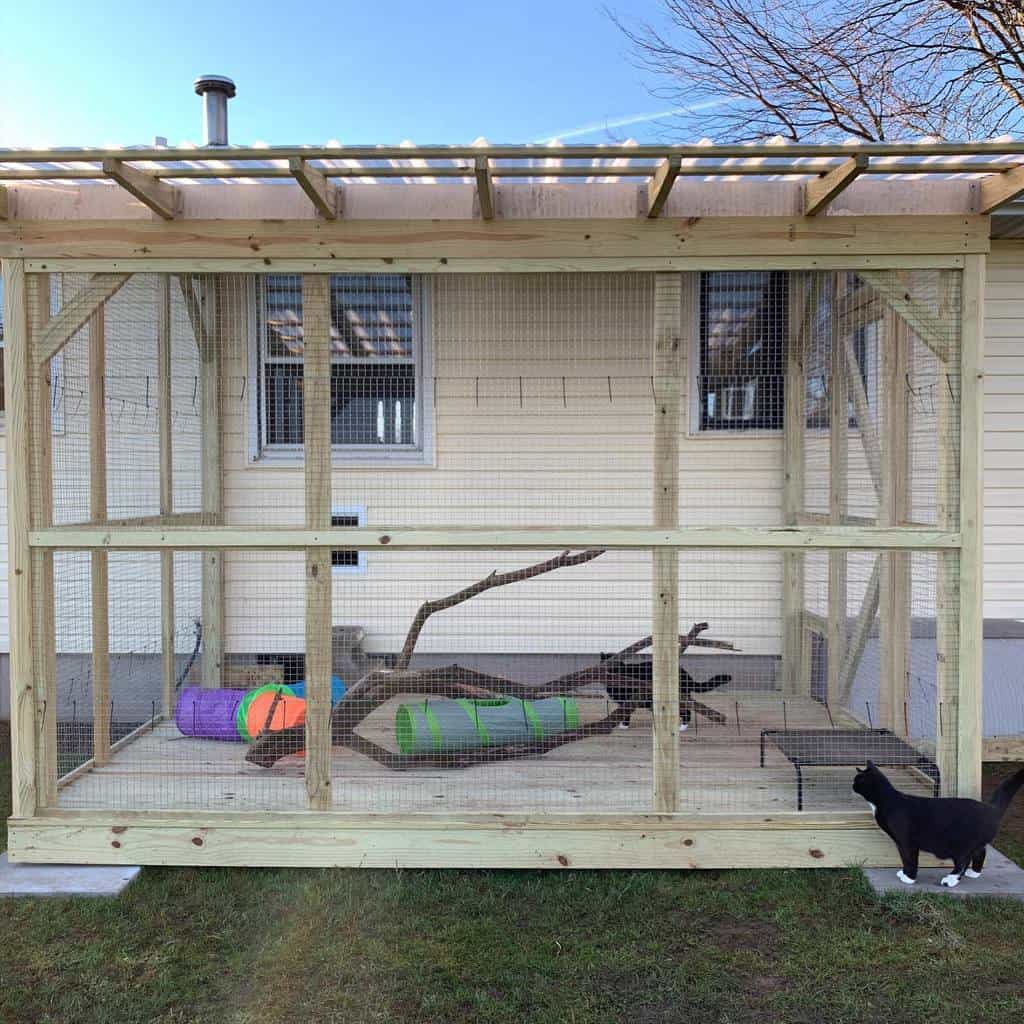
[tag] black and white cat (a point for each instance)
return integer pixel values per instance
(950, 828)
(634, 689)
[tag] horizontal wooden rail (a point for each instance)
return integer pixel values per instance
(213, 538)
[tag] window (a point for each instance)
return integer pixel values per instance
(345, 561)
(377, 365)
(743, 323)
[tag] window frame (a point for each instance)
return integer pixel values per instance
(419, 454)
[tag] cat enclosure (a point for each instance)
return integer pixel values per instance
(396, 542)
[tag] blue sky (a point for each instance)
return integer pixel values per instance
(94, 72)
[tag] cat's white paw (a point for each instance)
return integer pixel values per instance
(683, 726)
(905, 879)
(623, 725)
(950, 881)
(971, 873)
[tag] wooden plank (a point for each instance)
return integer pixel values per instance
(484, 187)
(75, 313)
(793, 669)
(323, 193)
(19, 555)
(100, 594)
(316, 389)
(5, 204)
(970, 661)
(821, 191)
(931, 329)
(499, 239)
(210, 342)
(668, 376)
(163, 199)
(838, 496)
(44, 640)
(866, 428)
(427, 265)
(660, 185)
(861, 631)
(470, 537)
(997, 189)
(423, 841)
(1003, 748)
(164, 428)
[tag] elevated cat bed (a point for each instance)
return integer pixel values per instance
(840, 748)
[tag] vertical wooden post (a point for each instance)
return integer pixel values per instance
(970, 666)
(210, 344)
(894, 509)
(316, 392)
(98, 513)
(163, 358)
(17, 367)
(838, 453)
(45, 622)
(948, 506)
(795, 677)
(674, 298)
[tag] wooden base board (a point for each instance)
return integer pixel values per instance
(333, 840)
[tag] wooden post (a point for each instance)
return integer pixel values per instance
(17, 363)
(163, 350)
(894, 509)
(45, 622)
(795, 677)
(970, 666)
(671, 312)
(98, 512)
(210, 344)
(316, 389)
(838, 435)
(947, 584)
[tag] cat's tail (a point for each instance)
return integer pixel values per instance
(1007, 791)
(710, 684)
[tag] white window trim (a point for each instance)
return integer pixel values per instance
(354, 456)
(357, 512)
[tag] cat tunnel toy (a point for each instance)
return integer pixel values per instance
(439, 726)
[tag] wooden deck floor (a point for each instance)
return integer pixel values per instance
(719, 770)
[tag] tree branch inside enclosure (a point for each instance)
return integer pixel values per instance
(741, 70)
(381, 685)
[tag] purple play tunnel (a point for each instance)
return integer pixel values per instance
(208, 714)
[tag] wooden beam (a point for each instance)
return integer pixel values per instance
(75, 313)
(17, 365)
(468, 538)
(668, 376)
(971, 513)
(821, 191)
(997, 189)
(756, 238)
(929, 327)
(865, 421)
(484, 187)
(660, 185)
(99, 568)
(5, 204)
(838, 496)
(164, 427)
(316, 447)
(861, 632)
(323, 193)
(1003, 748)
(163, 199)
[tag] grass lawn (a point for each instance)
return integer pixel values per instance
(262, 946)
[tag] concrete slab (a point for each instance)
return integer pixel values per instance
(1001, 877)
(60, 880)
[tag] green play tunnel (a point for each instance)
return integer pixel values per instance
(436, 726)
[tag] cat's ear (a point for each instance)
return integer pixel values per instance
(870, 766)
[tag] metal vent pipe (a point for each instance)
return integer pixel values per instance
(216, 90)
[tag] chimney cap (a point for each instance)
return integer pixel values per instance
(214, 83)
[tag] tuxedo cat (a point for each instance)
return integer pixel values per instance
(634, 689)
(952, 829)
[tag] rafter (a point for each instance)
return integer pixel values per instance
(820, 192)
(921, 320)
(323, 194)
(76, 312)
(661, 184)
(161, 198)
(484, 187)
(997, 189)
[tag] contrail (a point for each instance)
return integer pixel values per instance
(622, 122)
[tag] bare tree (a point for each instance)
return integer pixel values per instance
(822, 70)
